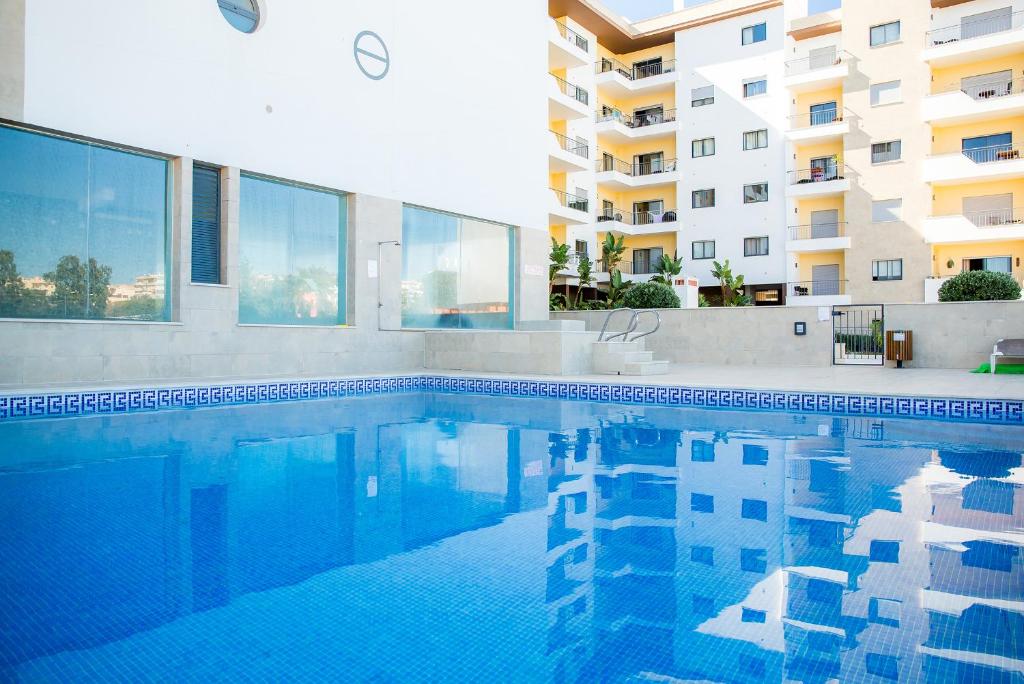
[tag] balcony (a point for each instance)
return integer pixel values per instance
(957, 104)
(566, 155)
(566, 48)
(567, 101)
(826, 69)
(618, 127)
(818, 237)
(992, 225)
(636, 271)
(818, 182)
(623, 175)
(977, 40)
(997, 162)
(637, 222)
(568, 210)
(618, 79)
(817, 293)
(817, 127)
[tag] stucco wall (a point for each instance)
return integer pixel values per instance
(534, 352)
(954, 335)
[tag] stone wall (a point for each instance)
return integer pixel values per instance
(549, 352)
(951, 335)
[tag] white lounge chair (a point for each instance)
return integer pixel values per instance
(1006, 349)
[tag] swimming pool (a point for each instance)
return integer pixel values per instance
(434, 536)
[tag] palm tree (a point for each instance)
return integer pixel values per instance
(667, 269)
(611, 251)
(586, 278)
(559, 260)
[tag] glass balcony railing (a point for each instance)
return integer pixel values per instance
(817, 288)
(637, 120)
(571, 201)
(577, 147)
(822, 59)
(570, 89)
(648, 168)
(571, 37)
(970, 29)
(816, 231)
(639, 70)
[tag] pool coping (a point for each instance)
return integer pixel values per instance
(41, 404)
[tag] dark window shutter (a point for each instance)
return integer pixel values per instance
(205, 225)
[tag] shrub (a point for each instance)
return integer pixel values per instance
(978, 286)
(651, 296)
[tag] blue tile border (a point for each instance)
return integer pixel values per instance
(114, 401)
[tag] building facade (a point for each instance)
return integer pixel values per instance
(856, 155)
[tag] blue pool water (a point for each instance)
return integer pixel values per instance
(438, 537)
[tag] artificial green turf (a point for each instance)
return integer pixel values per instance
(1002, 369)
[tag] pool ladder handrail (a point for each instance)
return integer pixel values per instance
(634, 321)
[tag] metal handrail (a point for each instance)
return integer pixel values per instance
(804, 288)
(636, 120)
(803, 65)
(608, 318)
(637, 218)
(806, 231)
(572, 37)
(818, 174)
(657, 324)
(635, 73)
(572, 90)
(580, 149)
(997, 87)
(968, 30)
(635, 169)
(812, 119)
(571, 201)
(992, 153)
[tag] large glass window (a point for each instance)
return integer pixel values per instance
(291, 243)
(457, 272)
(83, 230)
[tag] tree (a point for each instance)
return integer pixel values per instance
(611, 251)
(667, 269)
(651, 295)
(12, 287)
(977, 286)
(616, 288)
(732, 286)
(79, 290)
(559, 260)
(586, 277)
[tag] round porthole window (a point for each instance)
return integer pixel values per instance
(244, 15)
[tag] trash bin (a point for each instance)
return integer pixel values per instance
(899, 346)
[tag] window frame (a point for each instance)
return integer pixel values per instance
(702, 101)
(758, 133)
(885, 33)
(694, 195)
(704, 251)
(896, 144)
(759, 242)
(753, 28)
(220, 225)
(763, 184)
(703, 143)
(753, 81)
(890, 274)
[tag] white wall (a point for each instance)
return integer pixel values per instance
(455, 125)
(713, 54)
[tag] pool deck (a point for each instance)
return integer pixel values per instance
(923, 382)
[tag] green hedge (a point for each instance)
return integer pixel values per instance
(651, 296)
(979, 286)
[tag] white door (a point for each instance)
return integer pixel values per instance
(826, 279)
(989, 210)
(825, 224)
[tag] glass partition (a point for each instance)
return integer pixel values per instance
(291, 254)
(457, 272)
(83, 230)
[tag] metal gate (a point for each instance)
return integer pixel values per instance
(858, 335)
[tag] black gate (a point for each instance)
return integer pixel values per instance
(858, 335)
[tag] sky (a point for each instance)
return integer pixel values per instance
(643, 9)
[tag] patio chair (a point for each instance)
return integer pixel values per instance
(1006, 349)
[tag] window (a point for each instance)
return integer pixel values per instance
(884, 666)
(754, 34)
(883, 34)
(886, 93)
(885, 152)
(705, 555)
(884, 551)
(751, 615)
(702, 451)
(754, 509)
(884, 211)
(887, 269)
(703, 249)
(291, 243)
(704, 95)
(702, 503)
(755, 192)
(755, 86)
(581, 247)
(884, 611)
(755, 246)
(704, 147)
(753, 560)
(999, 264)
(646, 260)
(83, 230)
(456, 271)
(244, 15)
(205, 225)
(703, 198)
(823, 113)
(754, 454)
(755, 140)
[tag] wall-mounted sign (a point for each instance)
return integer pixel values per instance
(371, 55)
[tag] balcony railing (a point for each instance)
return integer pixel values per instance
(990, 218)
(985, 91)
(637, 120)
(625, 266)
(795, 67)
(572, 90)
(637, 71)
(574, 146)
(572, 201)
(636, 168)
(968, 30)
(993, 153)
(637, 218)
(818, 174)
(812, 119)
(815, 231)
(572, 37)
(817, 288)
